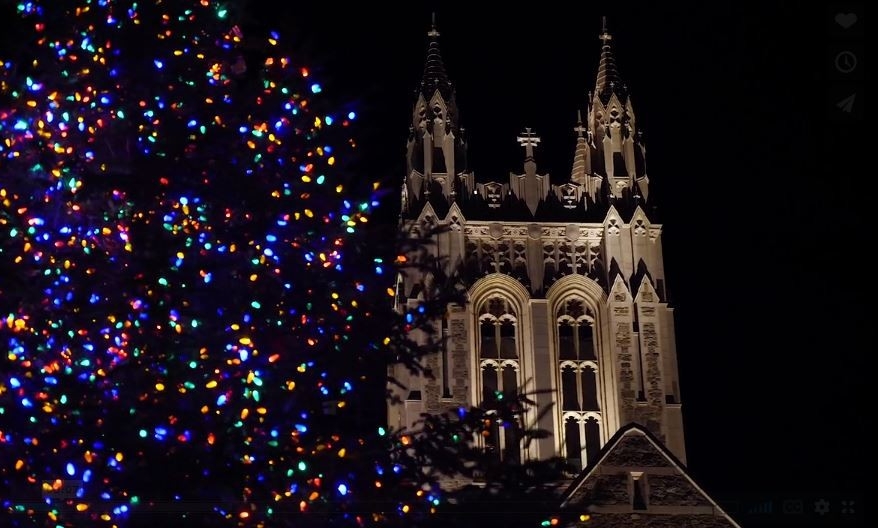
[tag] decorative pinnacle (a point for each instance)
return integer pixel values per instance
(579, 129)
(608, 76)
(605, 31)
(433, 31)
(435, 77)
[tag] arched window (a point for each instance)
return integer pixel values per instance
(592, 438)
(579, 389)
(566, 339)
(569, 387)
(582, 437)
(585, 339)
(589, 388)
(575, 331)
(499, 367)
(573, 445)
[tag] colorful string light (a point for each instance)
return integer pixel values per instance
(176, 292)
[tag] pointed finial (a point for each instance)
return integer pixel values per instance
(433, 31)
(435, 77)
(579, 129)
(605, 30)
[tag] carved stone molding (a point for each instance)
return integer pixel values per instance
(535, 231)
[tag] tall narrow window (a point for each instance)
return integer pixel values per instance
(569, 388)
(586, 339)
(579, 388)
(582, 438)
(490, 381)
(489, 340)
(566, 345)
(500, 370)
(572, 442)
(638, 490)
(575, 332)
(510, 379)
(493, 441)
(592, 438)
(507, 339)
(589, 389)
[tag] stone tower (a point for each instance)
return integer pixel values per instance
(565, 276)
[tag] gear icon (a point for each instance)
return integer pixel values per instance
(821, 507)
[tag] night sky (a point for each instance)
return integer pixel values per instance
(756, 176)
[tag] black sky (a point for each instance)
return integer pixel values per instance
(756, 172)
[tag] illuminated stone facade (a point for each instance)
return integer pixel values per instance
(565, 276)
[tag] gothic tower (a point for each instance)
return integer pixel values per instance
(565, 278)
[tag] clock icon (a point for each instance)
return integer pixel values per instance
(845, 62)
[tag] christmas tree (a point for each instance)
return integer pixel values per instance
(197, 315)
(182, 295)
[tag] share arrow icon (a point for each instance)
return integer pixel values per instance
(846, 105)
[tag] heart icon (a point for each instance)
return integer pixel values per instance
(846, 20)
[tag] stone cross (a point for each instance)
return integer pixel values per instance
(579, 129)
(433, 31)
(528, 141)
(605, 32)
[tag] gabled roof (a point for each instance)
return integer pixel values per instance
(673, 497)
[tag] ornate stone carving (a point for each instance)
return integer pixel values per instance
(534, 231)
(459, 356)
(654, 392)
(613, 228)
(432, 391)
(623, 335)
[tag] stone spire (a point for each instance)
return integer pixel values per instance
(581, 160)
(435, 76)
(436, 150)
(618, 151)
(608, 80)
